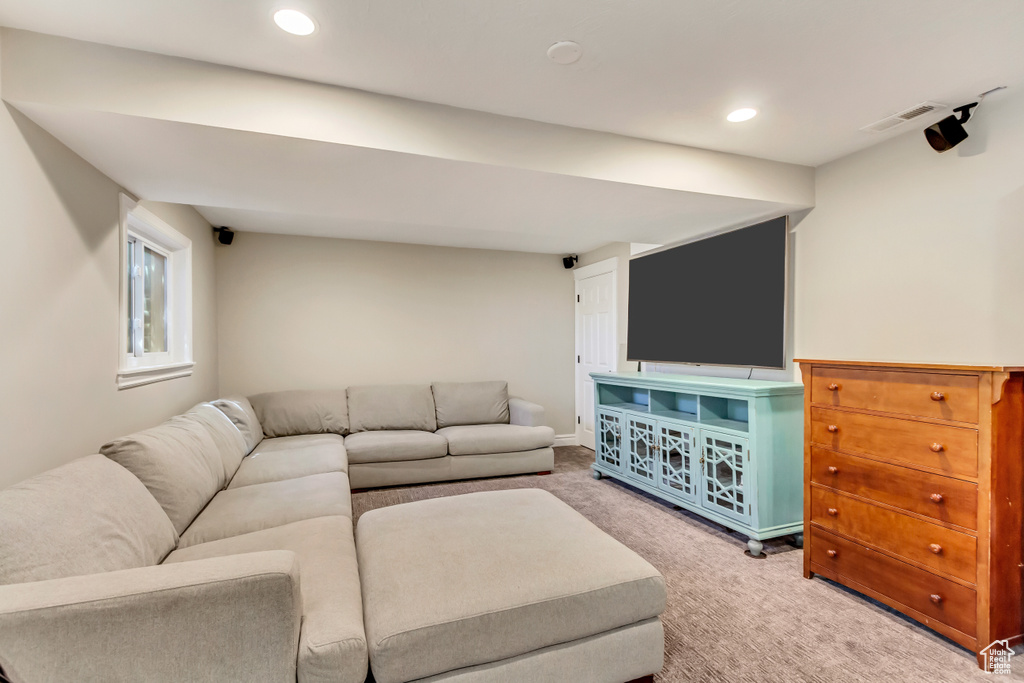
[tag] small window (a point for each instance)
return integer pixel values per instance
(156, 299)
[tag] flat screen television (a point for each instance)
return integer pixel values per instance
(715, 301)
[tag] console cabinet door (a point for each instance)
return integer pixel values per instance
(726, 483)
(678, 470)
(642, 448)
(609, 439)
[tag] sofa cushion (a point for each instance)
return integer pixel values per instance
(86, 517)
(179, 463)
(481, 439)
(392, 445)
(332, 645)
(407, 406)
(240, 412)
(264, 506)
(230, 443)
(470, 403)
(291, 457)
(491, 575)
(290, 413)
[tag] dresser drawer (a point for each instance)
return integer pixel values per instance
(943, 448)
(944, 498)
(937, 547)
(922, 394)
(933, 596)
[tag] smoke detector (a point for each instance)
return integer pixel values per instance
(899, 118)
(565, 52)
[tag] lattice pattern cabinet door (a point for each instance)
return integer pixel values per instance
(609, 439)
(678, 472)
(724, 459)
(643, 448)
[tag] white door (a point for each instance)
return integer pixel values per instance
(595, 339)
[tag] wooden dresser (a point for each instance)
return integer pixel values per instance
(913, 490)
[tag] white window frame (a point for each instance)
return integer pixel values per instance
(137, 368)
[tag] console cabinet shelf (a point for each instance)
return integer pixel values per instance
(730, 450)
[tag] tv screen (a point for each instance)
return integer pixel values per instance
(716, 301)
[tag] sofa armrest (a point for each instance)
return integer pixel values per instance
(233, 618)
(522, 412)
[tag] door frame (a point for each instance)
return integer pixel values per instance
(609, 265)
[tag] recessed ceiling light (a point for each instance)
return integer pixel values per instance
(744, 114)
(294, 21)
(565, 52)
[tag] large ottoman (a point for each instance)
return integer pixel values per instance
(504, 586)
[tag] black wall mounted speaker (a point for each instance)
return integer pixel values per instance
(949, 132)
(224, 235)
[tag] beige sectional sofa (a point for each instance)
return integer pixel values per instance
(219, 546)
(408, 434)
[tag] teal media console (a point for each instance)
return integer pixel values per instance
(730, 450)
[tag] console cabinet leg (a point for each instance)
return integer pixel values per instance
(798, 540)
(755, 547)
(595, 474)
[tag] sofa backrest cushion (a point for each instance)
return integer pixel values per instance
(240, 412)
(179, 463)
(399, 406)
(470, 403)
(86, 517)
(230, 443)
(293, 413)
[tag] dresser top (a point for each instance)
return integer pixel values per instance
(912, 366)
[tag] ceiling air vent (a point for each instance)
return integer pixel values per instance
(898, 119)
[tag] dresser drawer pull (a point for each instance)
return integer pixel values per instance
(833, 512)
(834, 387)
(832, 469)
(937, 447)
(938, 396)
(832, 553)
(936, 497)
(936, 598)
(935, 548)
(833, 428)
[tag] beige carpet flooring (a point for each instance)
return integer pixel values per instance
(731, 617)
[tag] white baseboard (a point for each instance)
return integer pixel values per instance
(566, 440)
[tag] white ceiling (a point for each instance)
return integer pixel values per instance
(661, 70)
(665, 70)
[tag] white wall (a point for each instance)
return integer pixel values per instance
(915, 256)
(307, 312)
(910, 255)
(59, 280)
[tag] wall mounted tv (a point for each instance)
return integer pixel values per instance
(715, 301)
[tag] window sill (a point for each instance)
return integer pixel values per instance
(139, 376)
